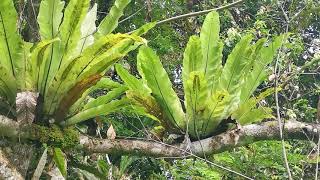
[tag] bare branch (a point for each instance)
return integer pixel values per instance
(300, 70)
(199, 12)
(223, 142)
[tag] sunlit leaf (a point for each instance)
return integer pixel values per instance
(60, 160)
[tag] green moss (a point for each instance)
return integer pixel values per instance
(64, 138)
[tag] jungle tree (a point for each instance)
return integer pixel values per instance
(45, 86)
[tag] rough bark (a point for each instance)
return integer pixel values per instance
(19, 155)
(238, 137)
(7, 170)
(14, 156)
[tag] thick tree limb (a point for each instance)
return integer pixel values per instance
(7, 170)
(238, 137)
(14, 157)
(223, 142)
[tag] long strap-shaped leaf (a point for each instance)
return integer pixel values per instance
(144, 28)
(97, 111)
(232, 74)
(115, 93)
(69, 34)
(196, 96)
(255, 54)
(250, 104)
(41, 164)
(70, 29)
(60, 160)
(73, 95)
(37, 63)
(192, 57)
(140, 95)
(40, 57)
(132, 82)
(122, 48)
(94, 71)
(7, 85)
(258, 73)
(88, 27)
(110, 22)
(256, 115)
(216, 111)
(192, 62)
(103, 83)
(159, 82)
(28, 83)
(10, 41)
(94, 59)
(49, 18)
(211, 46)
(107, 59)
(236, 62)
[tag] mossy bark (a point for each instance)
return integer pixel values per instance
(55, 136)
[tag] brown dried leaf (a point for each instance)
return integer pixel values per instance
(111, 133)
(26, 103)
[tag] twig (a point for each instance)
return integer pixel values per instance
(129, 17)
(199, 12)
(304, 67)
(285, 15)
(297, 14)
(277, 70)
(317, 164)
(195, 13)
(318, 149)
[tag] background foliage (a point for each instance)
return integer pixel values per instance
(261, 18)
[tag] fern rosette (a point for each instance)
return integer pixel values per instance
(213, 91)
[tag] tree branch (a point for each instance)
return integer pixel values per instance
(199, 12)
(223, 142)
(7, 170)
